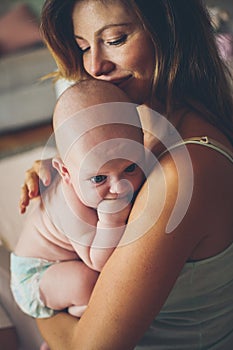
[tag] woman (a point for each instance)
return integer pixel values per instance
(158, 290)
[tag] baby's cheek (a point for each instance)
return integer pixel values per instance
(138, 181)
(90, 196)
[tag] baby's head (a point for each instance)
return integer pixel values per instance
(100, 142)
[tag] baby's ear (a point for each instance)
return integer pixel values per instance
(62, 169)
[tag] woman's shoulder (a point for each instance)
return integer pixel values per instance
(199, 179)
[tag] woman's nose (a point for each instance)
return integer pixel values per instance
(100, 64)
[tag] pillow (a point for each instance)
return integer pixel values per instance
(19, 29)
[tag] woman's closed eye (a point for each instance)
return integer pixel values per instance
(118, 41)
(98, 179)
(83, 45)
(110, 39)
(84, 50)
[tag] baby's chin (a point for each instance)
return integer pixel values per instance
(91, 203)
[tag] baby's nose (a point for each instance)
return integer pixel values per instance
(121, 187)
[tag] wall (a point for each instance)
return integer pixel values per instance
(223, 4)
(36, 5)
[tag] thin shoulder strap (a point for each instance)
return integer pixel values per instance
(203, 141)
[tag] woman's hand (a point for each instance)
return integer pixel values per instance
(36, 179)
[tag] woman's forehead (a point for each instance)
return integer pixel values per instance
(98, 15)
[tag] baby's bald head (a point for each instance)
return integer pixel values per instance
(90, 108)
(85, 94)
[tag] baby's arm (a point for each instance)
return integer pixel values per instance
(113, 215)
(94, 234)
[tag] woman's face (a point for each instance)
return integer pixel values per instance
(115, 47)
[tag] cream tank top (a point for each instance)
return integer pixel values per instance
(198, 314)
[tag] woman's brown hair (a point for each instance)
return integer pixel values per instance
(188, 68)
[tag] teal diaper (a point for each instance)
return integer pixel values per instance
(26, 274)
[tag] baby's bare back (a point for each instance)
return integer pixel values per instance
(49, 226)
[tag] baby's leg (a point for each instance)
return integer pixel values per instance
(67, 284)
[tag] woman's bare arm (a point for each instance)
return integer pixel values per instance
(137, 278)
(58, 330)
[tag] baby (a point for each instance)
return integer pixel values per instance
(74, 227)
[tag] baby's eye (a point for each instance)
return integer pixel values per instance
(98, 179)
(119, 41)
(131, 168)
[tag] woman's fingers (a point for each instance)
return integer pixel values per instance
(29, 190)
(41, 170)
(32, 183)
(24, 199)
(45, 171)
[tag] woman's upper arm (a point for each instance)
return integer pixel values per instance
(139, 275)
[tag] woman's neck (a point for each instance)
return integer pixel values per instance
(157, 127)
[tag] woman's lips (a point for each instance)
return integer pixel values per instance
(122, 81)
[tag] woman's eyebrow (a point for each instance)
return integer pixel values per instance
(98, 32)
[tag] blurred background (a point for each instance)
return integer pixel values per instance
(26, 102)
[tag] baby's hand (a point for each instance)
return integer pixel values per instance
(114, 212)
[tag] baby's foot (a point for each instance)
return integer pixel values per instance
(76, 311)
